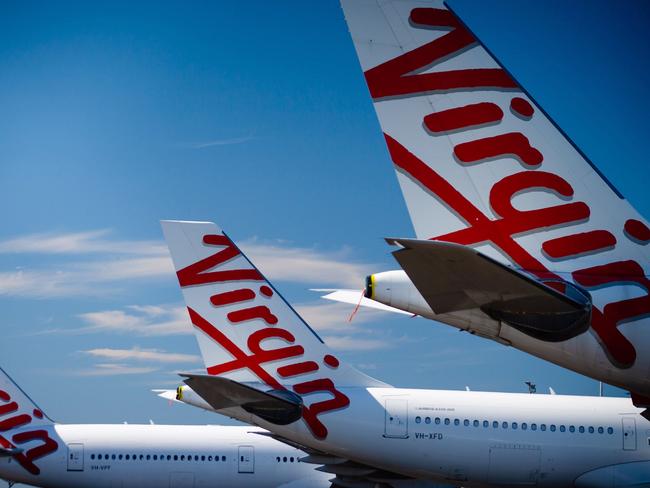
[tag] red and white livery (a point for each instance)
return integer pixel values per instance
(482, 166)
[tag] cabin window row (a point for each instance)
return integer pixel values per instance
(514, 425)
(156, 457)
(285, 459)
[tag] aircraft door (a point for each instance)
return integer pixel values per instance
(396, 418)
(629, 433)
(246, 459)
(75, 457)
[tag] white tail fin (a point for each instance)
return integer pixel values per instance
(480, 164)
(246, 331)
(23, 426)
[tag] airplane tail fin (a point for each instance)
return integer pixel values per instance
(246, 331)
(481, 164)
(17, 408)
(25, 433)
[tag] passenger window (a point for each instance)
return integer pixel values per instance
(465, 422)
(524, 426)
(202, 458)
(418, 419)
(601, 430)
(92, 456)
(533, 426)
(514, 426)
(495, 425)
(475, 423)
(486, 424)
(141, 457)
(113, 457)
(504, 425)
(447, 421)
(284, 459)
(610, 430)
(148, 457)
(562, 428)
(572, 428)
(119, 457)
(169, 457)
(223, 458)
(175, 457)
(542, 427)
(183, 457)
(552, 428)
(427, 420)
(291, 459)
(591, 430)
(437, 420)
(581, 429)
(456, 421)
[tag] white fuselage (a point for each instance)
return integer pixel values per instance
(175, 456)
(581, 353)
(487, 439)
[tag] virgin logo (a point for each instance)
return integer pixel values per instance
(11, 419)
(255, 358)
(395, 78)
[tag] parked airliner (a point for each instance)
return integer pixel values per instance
(37, 451)
(266, 366)
(520, 238)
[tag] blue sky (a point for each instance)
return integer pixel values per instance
(254, 115)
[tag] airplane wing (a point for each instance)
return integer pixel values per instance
(352, 297)
(454, 278)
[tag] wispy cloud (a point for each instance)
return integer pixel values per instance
(113, 369)
(137, 354)
(219, 142)
(118, 262)
(307, 265)
(332, 320)
(94, 241)
(158, 320)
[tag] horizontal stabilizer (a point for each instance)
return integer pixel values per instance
(453, 278)
(280, 407)
(353, 297)
(8, 452)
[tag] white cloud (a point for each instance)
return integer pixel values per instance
(355, 343)
(305, 265)
(220, 142)
(137, 354)
(78, 243)
(120, 262)
(159, 320)
(112, 369)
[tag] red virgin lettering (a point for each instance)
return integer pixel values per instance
(514, 144)
(467, 117)
(637, 231)
(260, 312)
(254, 361)
(297, 369)
(568, 247)
(396, 76)
(521, 108)
(198, 274)
(606, 323)
(26, 459)
(230, 297)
